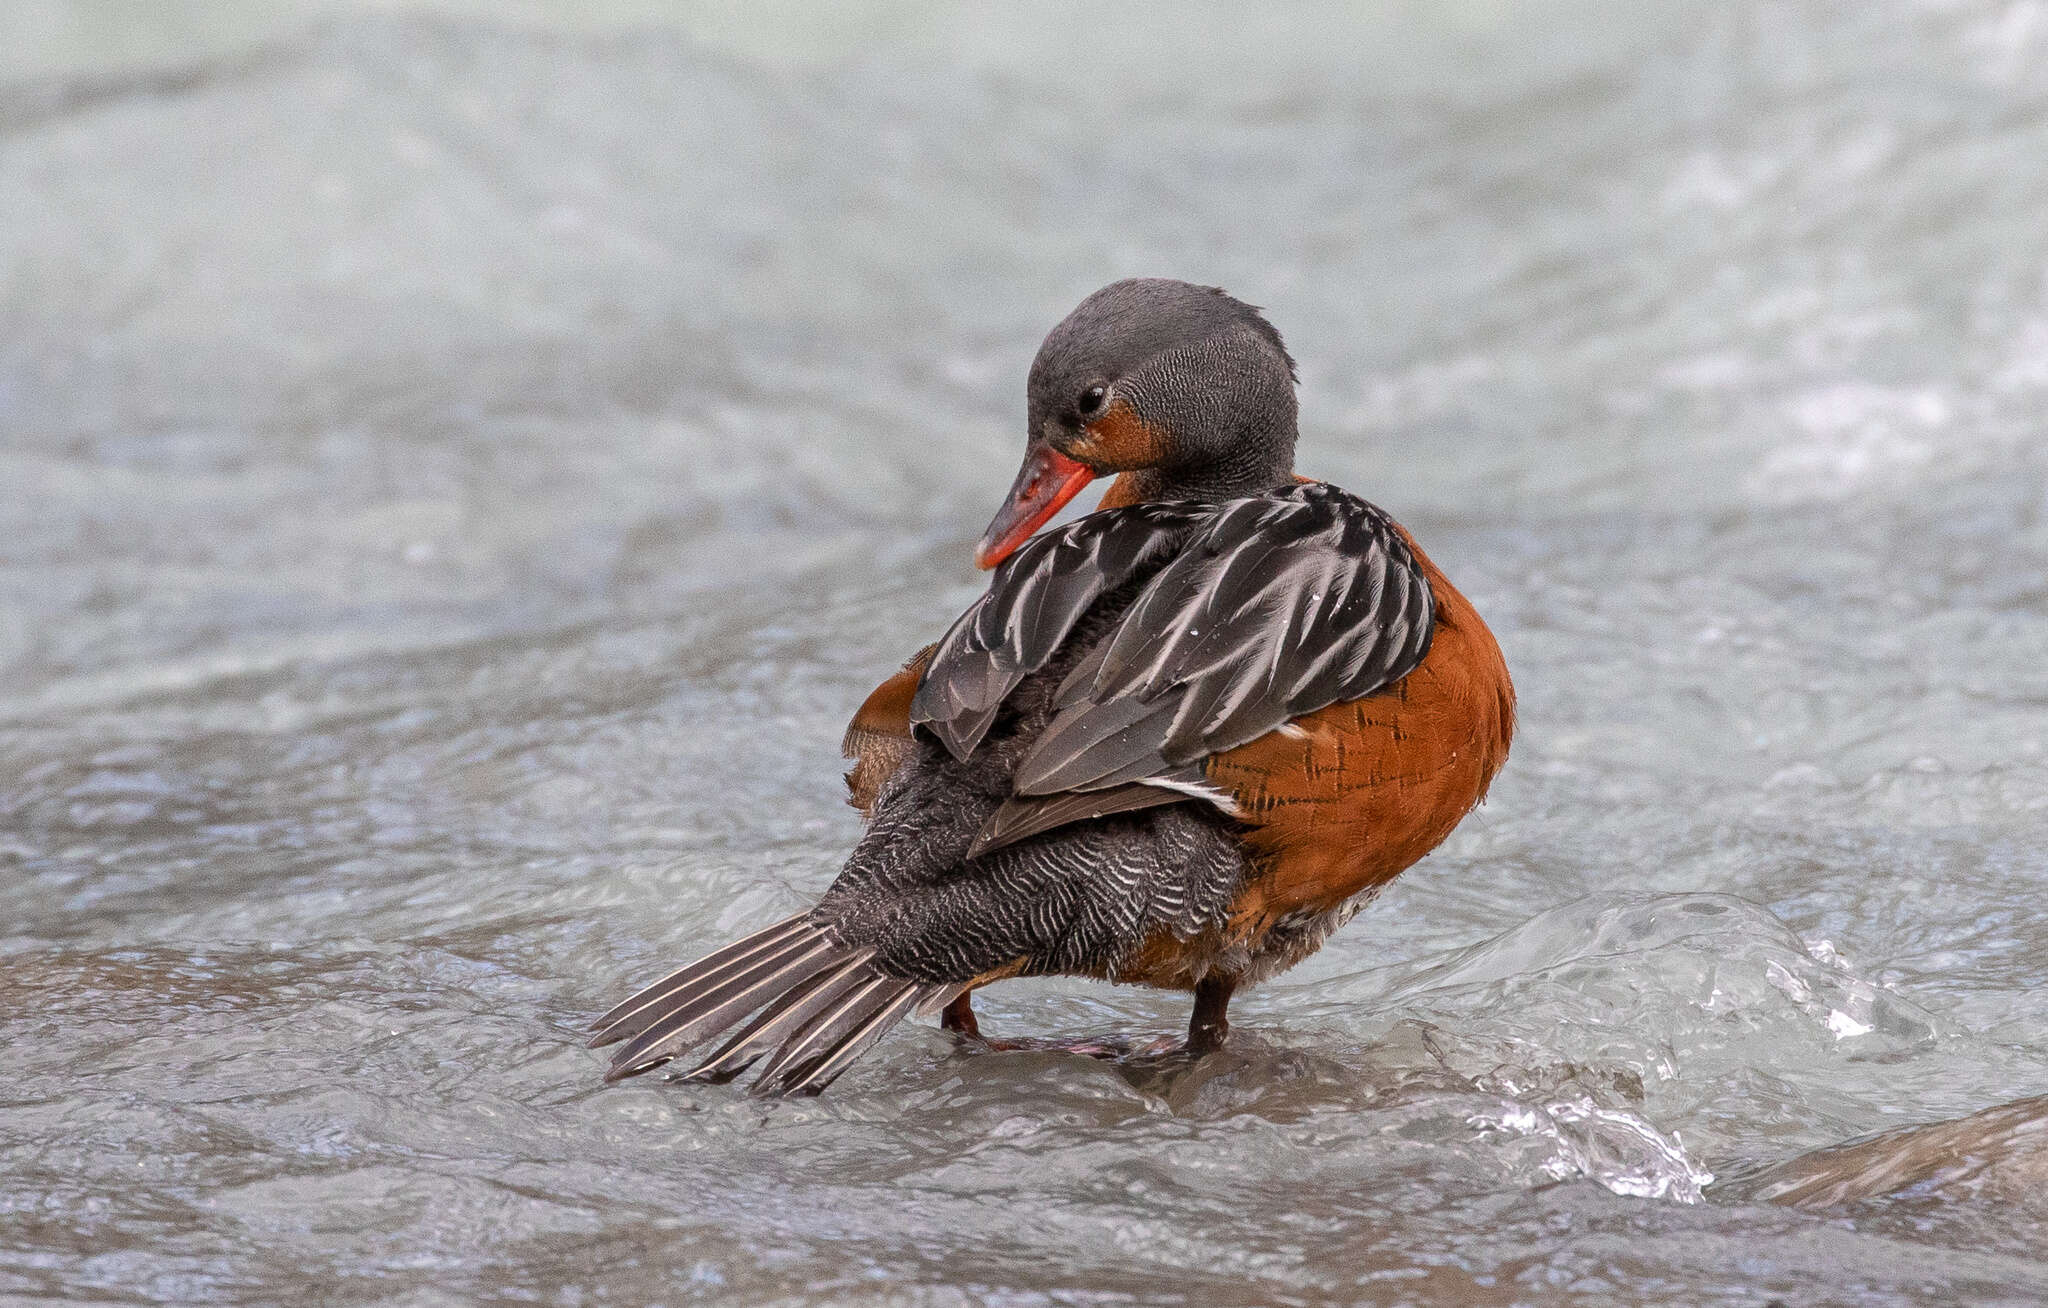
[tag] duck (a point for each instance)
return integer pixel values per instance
(1177, 743)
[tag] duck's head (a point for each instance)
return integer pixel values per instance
(1184, 391)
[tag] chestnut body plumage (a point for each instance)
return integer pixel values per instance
(1177, 743)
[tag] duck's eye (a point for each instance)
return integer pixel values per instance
(1092, 401)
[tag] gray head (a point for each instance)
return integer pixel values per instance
(1186, 391)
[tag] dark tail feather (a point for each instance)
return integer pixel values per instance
(634, 1015)
(840, 1030)
(689, 1016)
(795, 1008)
(668, 1013)
(811, 1077)
(936, 998)
(817, 1036)
(821, 1006)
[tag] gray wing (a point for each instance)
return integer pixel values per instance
(1277, 606)
(1032, 604)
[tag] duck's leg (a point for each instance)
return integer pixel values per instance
(959, 1017)
(1209, 1027)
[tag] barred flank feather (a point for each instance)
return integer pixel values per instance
(821, 1006)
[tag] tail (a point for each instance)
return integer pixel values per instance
(821, 1006)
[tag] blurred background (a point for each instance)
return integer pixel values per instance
(461, 464)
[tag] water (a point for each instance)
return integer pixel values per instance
(460, 472)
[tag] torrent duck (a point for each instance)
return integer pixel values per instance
(1178, 742)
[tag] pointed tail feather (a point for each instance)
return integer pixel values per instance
(795, 1008)
(664, 1012)
(801, 1005)
(817, 1036)
(936, 998)
(668, 1014)
(699, 1015)
(618, 1024)
(811, 1077)
(820, 1006)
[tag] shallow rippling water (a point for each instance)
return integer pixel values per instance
(457, 478)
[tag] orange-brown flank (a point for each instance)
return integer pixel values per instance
(878, 739)
(1366, 788)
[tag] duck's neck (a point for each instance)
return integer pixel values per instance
(1155, 484)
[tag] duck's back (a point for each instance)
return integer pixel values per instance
(1169, 730)
(1075, 900)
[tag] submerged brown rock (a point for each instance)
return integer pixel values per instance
(2000, 1153)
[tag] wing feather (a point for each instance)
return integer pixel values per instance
(1255, 612)
(1033, 602)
